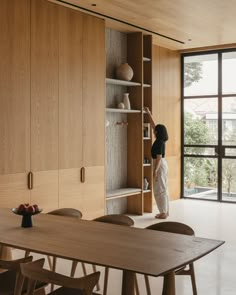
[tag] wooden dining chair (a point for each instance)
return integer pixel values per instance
(11, 280)
(71, 213)
(112, 219)
(177, 228)
(69, 286)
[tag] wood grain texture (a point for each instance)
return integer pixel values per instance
(45, 190)
(147, 101)
(14, 86)
(135, 204)
(44, 85)
(118, 242)
(13, 190)
(166, 109)
(93, 190)
(135, 133)
(88, 197)
(179, 19)
(70, 88)
(70, 189)
(93, 91)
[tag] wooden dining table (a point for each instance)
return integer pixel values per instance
(132, 250)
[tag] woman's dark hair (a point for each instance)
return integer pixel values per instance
(161, 132)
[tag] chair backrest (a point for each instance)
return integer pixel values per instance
(116, 219)
(14, 264)
(17, 280)
(68, 212)
(172, 227)
(34, 272)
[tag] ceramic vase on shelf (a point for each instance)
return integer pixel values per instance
(121, 105)
(126, 101)
(145, 184)
(124, 72)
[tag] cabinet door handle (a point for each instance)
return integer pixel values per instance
(82, 174)
(30, 180)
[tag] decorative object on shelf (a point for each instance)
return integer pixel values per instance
(122, 123)
(145, 183)
(26, 211)
(124, 72)
(146, 160)
(146, 130)
(121, 105)
(126, 101)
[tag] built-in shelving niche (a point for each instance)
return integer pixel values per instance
(116, 135)
(117, 120)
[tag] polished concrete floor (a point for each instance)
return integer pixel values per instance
(215, 273)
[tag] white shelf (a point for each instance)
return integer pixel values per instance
(146, 59)
(122, 192)
(122, 110)
(121, 82)
(146, 165)
(146, 191)
(146, 138)
(146, 85)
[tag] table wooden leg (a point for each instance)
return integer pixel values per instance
(169, 284)
(128, 283)
(5, 254)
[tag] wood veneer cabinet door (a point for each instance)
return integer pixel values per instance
(70, 108)
(44, 85)
(70, 88)
(93, 116)
(70, 189)
(14, 86)
(13, 190)
(44, 103)
(45, 190)
(93, 91)
(93, 192)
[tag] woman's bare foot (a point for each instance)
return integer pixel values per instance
(162, 216)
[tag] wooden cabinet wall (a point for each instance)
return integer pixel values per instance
(51, 106)
(14, 101)
(85, 108)
(166, 109)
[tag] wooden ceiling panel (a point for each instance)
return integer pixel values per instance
(194, 23)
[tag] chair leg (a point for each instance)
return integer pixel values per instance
(27, 253)
(192, 273)
(84, 269)
(73, 268)
(49, 262)
(94, 270)
(106, 273)
(54, 263)
(136, 285)
(147, 283)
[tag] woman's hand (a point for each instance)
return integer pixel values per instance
(146, 109)
(155, 174)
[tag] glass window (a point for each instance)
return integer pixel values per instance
(200, 178)
(201, 75)
(201, 121)
(229, 73)
(229, 120)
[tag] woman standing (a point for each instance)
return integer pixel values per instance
(160, 168)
